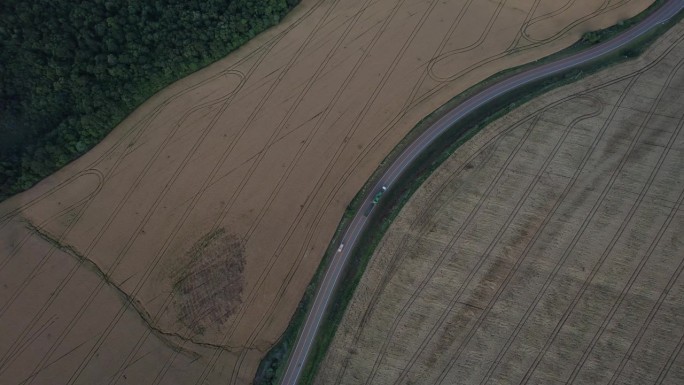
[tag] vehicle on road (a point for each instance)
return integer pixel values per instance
(375, 201)
(377, 196)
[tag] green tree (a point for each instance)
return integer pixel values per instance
(70, 71)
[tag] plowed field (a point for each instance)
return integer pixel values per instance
(175, 252)
(546, 250)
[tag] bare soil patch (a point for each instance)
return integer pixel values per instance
(269, 145)
(546, 250)
(209, 285)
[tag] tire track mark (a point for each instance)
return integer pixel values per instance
(604, 8)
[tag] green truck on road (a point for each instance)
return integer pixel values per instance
(376, 199)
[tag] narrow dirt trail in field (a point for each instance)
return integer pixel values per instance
(548, 249)
(177, 250)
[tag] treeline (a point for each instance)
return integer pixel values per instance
(71, 70)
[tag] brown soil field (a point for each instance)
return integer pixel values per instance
(546, 250)
(176, 251)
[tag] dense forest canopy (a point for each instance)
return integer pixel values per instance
(71, 70)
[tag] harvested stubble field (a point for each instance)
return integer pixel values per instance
(548, 249)
(176, 251)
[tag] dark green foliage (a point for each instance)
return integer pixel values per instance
(70, 71)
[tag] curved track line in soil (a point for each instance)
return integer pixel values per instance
(485, 32)
(605, 7)
(609, 248)
(519, 33)
(504, 228)
(533, 241)
(628, 286)
(438, 50)
(481, 39)
(548, 15)
(447, 250)
(441, 55)
(7, 217)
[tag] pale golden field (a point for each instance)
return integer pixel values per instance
(175, 251)
(548, 249)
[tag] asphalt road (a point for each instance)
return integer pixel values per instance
(358, 224)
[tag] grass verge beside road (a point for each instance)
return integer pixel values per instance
(273, 365)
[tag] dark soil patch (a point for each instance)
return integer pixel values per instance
(209, 286)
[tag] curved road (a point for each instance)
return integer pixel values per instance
(306, 337)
